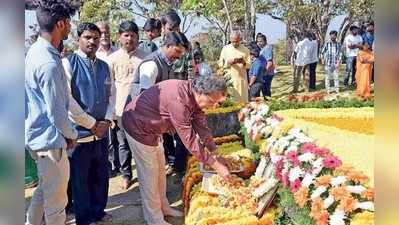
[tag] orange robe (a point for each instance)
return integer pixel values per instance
(363, 73)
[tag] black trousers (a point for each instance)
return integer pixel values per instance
(312, 76)
(113, 151)
(89, 181)
(125, 155)
(174, 147)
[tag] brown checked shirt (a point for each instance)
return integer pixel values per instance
(166, 106)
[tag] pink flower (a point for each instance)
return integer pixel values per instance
(295, 185)
(285, 179)
(307, 147)
(332, 162)
(293, 158)
(274, 116)
(279, 165)
(321, 152)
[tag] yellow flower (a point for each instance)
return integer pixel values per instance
(364, 218)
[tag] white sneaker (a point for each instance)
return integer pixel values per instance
(174, 213)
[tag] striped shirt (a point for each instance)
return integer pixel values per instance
(332, 53)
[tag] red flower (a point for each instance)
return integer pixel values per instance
(332, 162)
(293, 158)
(307, 147)
(295, 185)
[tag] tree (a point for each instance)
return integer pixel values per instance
(316, 15)
(226, 15)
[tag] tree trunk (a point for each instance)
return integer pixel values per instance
(228, 15)
(253, 20)
(247, 22)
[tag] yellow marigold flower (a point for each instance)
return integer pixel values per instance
(323, 180)
(301, 196)
(368, 194)
(347, 204)
(339, 193)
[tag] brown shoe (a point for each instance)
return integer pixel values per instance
(126, 183)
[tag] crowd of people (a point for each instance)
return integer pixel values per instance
(357, 51)
(141, 101)
(90, 113)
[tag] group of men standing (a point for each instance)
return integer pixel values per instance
(306, 56)
(72, 103)
(250, 69)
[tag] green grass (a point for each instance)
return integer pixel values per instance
(282, 83)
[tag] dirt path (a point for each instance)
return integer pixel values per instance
(125, 206)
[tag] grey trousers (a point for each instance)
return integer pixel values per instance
(50, 197)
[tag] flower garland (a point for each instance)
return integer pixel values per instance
(313, 174)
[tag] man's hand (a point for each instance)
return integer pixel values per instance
(221, 169)
(231, 62)
(102, 128)
(71, 143)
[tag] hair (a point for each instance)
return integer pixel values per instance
(176, 38)
(172, 18)
(209, 84)
(103, 24)
(353, 27)
(254, 50)
(235, 33)
(128, 26)
(261, 36)
(152, 24)
(50, 12)
(370, 23)
(87, 26)
(258, 35)
(333, 32)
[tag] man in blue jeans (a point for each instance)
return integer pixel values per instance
(266, 51)
(92, 89)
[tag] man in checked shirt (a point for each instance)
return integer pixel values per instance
(331, 57)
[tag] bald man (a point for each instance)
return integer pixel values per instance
(105, 49)
(235, 59)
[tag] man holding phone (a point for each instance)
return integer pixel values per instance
(235, 59)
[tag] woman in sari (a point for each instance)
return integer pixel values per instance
(364, 66)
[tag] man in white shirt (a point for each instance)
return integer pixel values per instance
(301, 57)
(352, 44)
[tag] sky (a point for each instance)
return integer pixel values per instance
(273, 29)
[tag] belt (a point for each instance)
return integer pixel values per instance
(88, 139)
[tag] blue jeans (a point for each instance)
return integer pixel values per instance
(350, 70)
(268, 85)
(89, 181)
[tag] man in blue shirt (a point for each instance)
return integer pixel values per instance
(48, 132)
(93, 91)
(368, 37)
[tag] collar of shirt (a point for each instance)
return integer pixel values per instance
(48, 45)
(131, 53)
(83, 55)
(107, 52)
(165, 58)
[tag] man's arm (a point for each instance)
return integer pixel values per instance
(111, 100)
(52, 86)
(180, 118)
(76, 113)
(148, 74)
